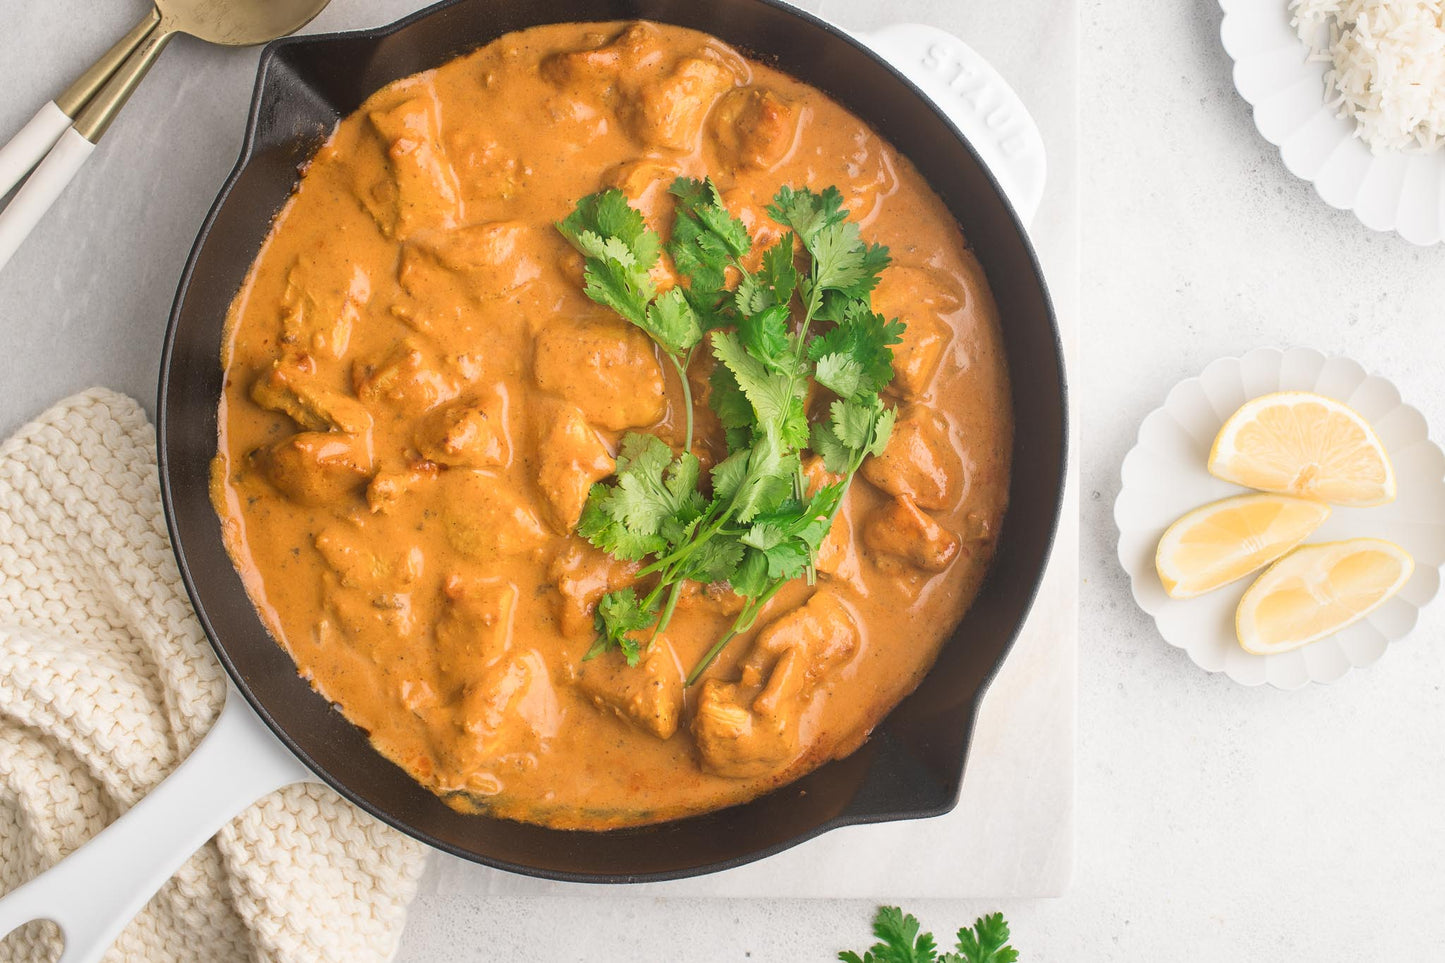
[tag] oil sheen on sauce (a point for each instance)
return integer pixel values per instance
(418, 396)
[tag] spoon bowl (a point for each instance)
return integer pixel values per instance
(237, 23)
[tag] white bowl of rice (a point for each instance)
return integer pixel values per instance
(1353, 94)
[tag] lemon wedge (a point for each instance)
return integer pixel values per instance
(1317, 590)
(1226, 540)
(1306, 444)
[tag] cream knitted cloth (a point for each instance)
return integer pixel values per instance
(107, 682)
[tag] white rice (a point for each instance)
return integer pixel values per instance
(1388, 68)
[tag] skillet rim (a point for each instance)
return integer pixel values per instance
(1029, 597)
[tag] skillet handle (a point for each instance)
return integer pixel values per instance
(93, 893)
(979, 102)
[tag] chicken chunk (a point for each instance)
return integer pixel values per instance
(737, 742)
(316, 467)
(670, 112)
(824, 631)
(467, 433)
(322, 304)
(423, 193)
(645, 182)
(475, 630)
(606, 368)
(638, 47)
(582, 575)
(485, 519)
(409, 378)
(924, 301)
(348, 552)
(755, 128)
(572, 458)
(901, 534)
(751, 727)
(648, 695)
(387, 489)
(290, 387)
(921, 461)
(487, 261)
(505, 719)
(377, 625)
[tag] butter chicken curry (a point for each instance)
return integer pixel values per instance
(428, 385)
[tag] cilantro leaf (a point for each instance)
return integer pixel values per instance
(654, 499)
(840, 374)
(705, 237)
(607, 214)
(898, 941)
(620, 614)
(728, 475)
(716, 559)
(765, 335)
(842, 262)
(882, 430)
(986, 942)
(619, 251)
(827, 445)
(776, 398)
(732, 408)
(807, 213)
(613, 278)
(865, 338)
(767, 481)
(750, 579)
(853, 423)
(672, 322)
(774, 282)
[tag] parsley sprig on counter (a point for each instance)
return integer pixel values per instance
(899, 942)
(775, 333)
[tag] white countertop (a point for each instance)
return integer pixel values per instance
(1214, 822)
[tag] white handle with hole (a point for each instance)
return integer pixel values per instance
(95, 891)
(979, 102)
(28, 146)
(47, 182)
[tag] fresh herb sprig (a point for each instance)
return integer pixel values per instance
(756, 527)
(900, 942)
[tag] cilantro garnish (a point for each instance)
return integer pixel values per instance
(749, 522)
(900, 942)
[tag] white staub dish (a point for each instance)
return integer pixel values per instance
(1388, 192)
(1164, 476)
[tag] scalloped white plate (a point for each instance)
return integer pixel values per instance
(1388, 192)
(1164, 476)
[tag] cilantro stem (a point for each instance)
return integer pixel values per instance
(741, 624)
(682, 367)
(667, 609)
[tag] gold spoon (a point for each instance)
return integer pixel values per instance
(95, 99)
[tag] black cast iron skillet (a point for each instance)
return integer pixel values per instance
(913, 764)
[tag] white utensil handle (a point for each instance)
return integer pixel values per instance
(978, 101)
(95, 891)
(40, 191)
(30, 144)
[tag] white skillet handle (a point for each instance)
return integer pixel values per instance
(40, 191)
(979, 102)
(94, 892)
(27, 147)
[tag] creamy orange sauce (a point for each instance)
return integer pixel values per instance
(418, 396)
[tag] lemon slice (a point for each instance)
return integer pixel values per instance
(1226, 540)
(1300, 443)
(1317, 590)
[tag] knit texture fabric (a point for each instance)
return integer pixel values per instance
(107, 683)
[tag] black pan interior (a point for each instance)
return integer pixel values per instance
(913, 765)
